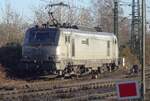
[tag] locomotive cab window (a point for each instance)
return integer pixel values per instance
(42, 36)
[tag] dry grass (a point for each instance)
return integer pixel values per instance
(130, 58)
(147, 49)
(2, 75)
(4, 79)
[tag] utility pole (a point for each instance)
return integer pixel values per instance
(143, 91)
(138, 31)
(116, 18)
(136, 28)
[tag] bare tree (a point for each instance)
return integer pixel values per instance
(40, 15)
(11, 25)
(72, 14)
(103, 12)
(85, 17)
(124, 30)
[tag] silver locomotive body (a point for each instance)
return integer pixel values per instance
(69, 50)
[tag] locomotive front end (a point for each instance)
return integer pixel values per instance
(39, 50)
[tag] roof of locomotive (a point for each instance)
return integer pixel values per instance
(76, 31)
(86, 32)
(103, 35)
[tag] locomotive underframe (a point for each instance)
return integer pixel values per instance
(69, 66)
(78, 66)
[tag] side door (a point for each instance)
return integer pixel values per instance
(68, 45)
(72, 47)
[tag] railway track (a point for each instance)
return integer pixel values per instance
(93, 96)
(61, 89)
(67, 91)
(147, 72)
(53, 91)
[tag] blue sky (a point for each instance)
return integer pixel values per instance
(25, 6)
(22, 6)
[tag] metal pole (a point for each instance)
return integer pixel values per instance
(136, 28)
(132, 25)
(116, 18)
(143, 49)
